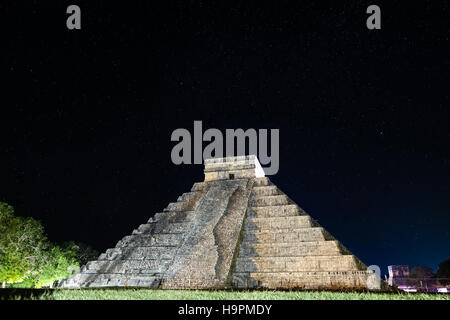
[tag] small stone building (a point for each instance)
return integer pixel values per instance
(398, 275)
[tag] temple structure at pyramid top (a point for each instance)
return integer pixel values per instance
(240, 167)
(235, 229)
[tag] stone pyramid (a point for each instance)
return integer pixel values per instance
(234, 230)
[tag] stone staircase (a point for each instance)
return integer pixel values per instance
(282, 247)
(204, 258)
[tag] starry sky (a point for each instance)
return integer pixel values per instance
(86, 115)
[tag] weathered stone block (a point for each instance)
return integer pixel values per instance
(295, 264)
(266, 191)
(311, 248)
(276, 211)
(275, 200)
(283, 235)
(302, 280)
(292, 222)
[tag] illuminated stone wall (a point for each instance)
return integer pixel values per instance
(235, 229)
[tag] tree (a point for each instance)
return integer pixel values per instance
(21, 243)
(444, 272)
(55, 264)
(26, 256)
(421, 272)
(84, 253)
(6, 215)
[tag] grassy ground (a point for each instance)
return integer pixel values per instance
(146, 294)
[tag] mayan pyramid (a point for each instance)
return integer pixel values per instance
(233, 230)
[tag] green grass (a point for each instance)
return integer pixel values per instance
(147, 294)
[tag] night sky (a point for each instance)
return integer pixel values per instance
(86, 115)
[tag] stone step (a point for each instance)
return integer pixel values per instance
(289, 249)
(180, 206)
(276, 200)
(276, 211)
(145, 228)
(187, 201)
(155, 228)
(127, 266)
(283, 235)
(261, 182)
(302, 280)
(198, 186)
(189, 196)
(157, 240)
(278, 223)
(266, 191)
(139, 253)
(294, 264)
(188, 283)
(172, 216)
(111, 280)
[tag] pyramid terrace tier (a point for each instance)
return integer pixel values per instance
(273, 200)
(302, 280)
(156, 228)
(191, 283)
(283, 235)
(140, 253)
(289, 249)
(128, 266)
(269, 190)
(294, 264)
(172, 216)
(276, 211)
(185, 202)
(261, 182)
(289, 222)
(157, 240)
(112, 280)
